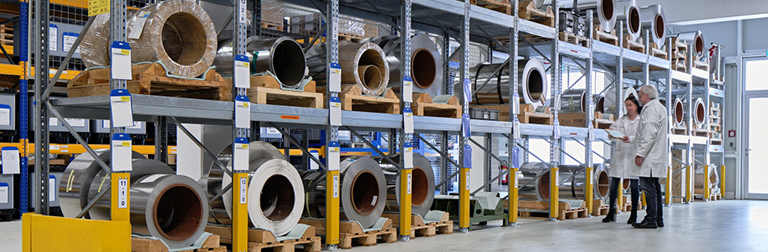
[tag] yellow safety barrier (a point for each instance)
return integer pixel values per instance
(588, 197)
(49, 233)
(513, 195)
(554, 195)
(464, 198)
(240, 212)
(332, 179)
(405, 200)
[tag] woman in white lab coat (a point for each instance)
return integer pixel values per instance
(623, 160)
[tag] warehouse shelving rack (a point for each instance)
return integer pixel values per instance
(434, 16)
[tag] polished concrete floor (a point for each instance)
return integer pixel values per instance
(712, 226)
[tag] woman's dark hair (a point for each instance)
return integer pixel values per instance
(634, 100)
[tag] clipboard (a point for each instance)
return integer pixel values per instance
(614, 134)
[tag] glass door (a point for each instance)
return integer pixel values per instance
(755, 105)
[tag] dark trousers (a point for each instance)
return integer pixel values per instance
(633, 188)
(652, 190)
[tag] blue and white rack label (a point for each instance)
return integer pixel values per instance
(467, 90)
(121, 60)
(5, 115)
(334, 156)
(137, 26)
(53, 37)
(467, 162)
(407, 89)
(241, 158)
(556, 127)
(4, 193)
(68, 40)
(313, 166)
(408, 120)
(515, 104)
(122, 193)
(408, 156)
(121, 107)
(335, 111)
(121, 153)
(334, 77)
(516, 128)
(242, 112)
(242, 72)
(465, 130)
(11, 160)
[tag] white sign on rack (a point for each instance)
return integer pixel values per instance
(11, 160)
(122, 193)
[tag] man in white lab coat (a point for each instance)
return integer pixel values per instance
(652, 154)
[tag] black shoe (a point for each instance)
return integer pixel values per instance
(660, 223)
(644, 224)
(632, 219)
(611, 217)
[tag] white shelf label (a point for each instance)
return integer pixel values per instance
(4, 193)
(410, 179)
(122, 110)
(243, 190)
(121, 155)
(122, 193)
(242, 114)
(242, 72)
(336, 185)
(241, 157)
(137, 26)
(11, 160)
(121, 61)
(52, 189)
(466, 184)
(5, 116)
(407, 89)
(334, 158)
(335, 111)
(334, 79)
(408, 157)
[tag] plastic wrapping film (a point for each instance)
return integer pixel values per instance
(356, 55)
(177, 33)
(94, 48)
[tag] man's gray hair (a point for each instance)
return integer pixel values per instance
(651, 91)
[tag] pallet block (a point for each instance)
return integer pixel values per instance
(212, 244)
(259, 240)
(529, 115)
(564, 209)
(605, 37)
(527, 10)
(636, 46)
(599, 207)
(151, 79)
(654, 51)
(573, 39)
(421, 229)
(266, 90)
(424, 106)
(502, 6)
(578, 120)
(701, 65)
(352, 99)
(272, 26)
(351, 233)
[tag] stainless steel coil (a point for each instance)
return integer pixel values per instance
(652, 17)
(629, 12)
(355, 55)
(531, 180)
(678, 117)
(699, 113)
(362, 193)
(282, 56)
(599, 102)
(422, 184)
(533, 86)
(696, 38)
(573, 101)
(610, 98)
(604, 9)
(74, 189)
(216, 179)
(275, 195)
(534, 180)
(426, 65)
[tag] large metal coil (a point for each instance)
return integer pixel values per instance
(573, 101)
(711, 180)
(426, 65)
(281, 56)
(363, 191)
(533, 86)
(599, 102)
(534, 180)
(95, 44)
(216, 179)
(699, 113)
(696, 39)
(678, 117)
(652, 17)
(422, 184)
(629, 12)
(178, 33)
(362, 64)
(74, 189)
(610, 98)
(169, 207)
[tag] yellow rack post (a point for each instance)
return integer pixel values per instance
(554, 193)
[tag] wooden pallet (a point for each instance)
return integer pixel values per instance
(423, 105)
(599, 208)
(605, 37)
(679, 131)
(573, 39)
(265, 90)
(502, 6)
(6, 35)
(654, 51)
(636, 46)
(538, 209)
(536, 118)
(272, 26)
(701, 65)
(351, 233)
(350, 38)
(527, 10)
(261, 240)
(421, 229)
(678, 65)
(352, 99)
(153, 245)
(578, 120)
(151, 79)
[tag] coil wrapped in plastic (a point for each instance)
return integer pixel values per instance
(362, 64)
(94, 48)
(178, 33)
